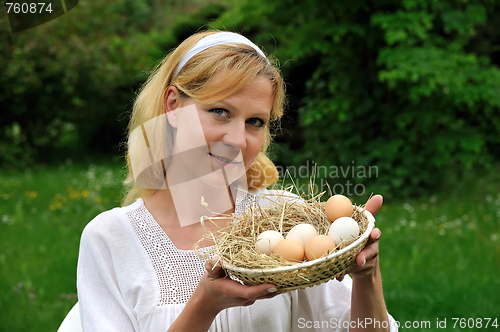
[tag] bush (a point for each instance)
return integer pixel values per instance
(67, 85)
(410, 87)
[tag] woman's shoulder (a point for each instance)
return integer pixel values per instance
(110, 221)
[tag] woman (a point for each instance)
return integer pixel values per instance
(199, 131)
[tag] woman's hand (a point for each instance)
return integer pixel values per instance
(367, 259)
(219, 291)
(216, 292)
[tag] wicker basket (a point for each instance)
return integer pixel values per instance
(309, 273)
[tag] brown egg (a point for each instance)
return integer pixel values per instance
(318, 246)
(290, 250)
(338, 206)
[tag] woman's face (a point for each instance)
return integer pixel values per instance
(230, 133)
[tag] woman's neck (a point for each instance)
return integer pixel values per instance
(181, 221)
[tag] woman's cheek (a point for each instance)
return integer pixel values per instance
(255, 146)
(212, 133)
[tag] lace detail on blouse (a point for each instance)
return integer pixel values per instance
(178, 271)
(243, 201)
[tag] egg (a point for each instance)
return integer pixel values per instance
(290, 250)
(338, 206)
(318, 246)
(267, 240)
(302, 233)
(344, 231)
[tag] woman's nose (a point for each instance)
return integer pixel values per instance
(236, 135)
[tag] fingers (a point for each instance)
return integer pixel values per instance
(370, 250)
(240, 295)
(374, 236)
(231, 288)
(257, 291)
(214, 269)
(374, 204)
(369, 253)
(267, 292)
(247, 303)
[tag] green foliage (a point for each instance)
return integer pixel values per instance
(408, 86)
(69, 79)
(67, 85)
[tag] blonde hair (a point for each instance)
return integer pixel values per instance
(239, 63)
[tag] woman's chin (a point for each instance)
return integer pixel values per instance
(221, 178)
(215, 179)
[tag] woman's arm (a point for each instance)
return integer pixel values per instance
(216, 292)
(102, 304)
(367, 299)
(368, 311)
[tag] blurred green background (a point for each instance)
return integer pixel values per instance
(410, 87)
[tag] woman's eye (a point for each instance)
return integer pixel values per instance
(219, 111)
(256, 122)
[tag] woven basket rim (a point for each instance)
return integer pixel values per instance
(298, 266)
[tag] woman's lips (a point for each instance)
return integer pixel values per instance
(224, 162)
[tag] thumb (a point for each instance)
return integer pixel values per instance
(214, 268)
(374, 204)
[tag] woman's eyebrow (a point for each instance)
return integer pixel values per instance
(226, 103)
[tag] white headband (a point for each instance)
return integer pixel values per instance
(212, 40)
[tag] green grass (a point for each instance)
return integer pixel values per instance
(42, 214)
(440, 255)
(440, 258)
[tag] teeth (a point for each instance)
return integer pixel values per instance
(222, 159)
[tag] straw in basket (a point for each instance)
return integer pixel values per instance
(235, 244)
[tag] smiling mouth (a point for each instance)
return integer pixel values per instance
(224, 160)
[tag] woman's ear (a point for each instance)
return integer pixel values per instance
(172, 100)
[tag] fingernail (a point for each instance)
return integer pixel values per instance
(215, 262)
(378, 236)
(364, 262)
(272, 290)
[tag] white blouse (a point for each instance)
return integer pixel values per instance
(131, 277)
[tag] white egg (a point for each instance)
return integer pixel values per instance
(302, 233)
(344, 231)
(267, 240)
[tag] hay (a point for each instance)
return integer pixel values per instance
(235, 244)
